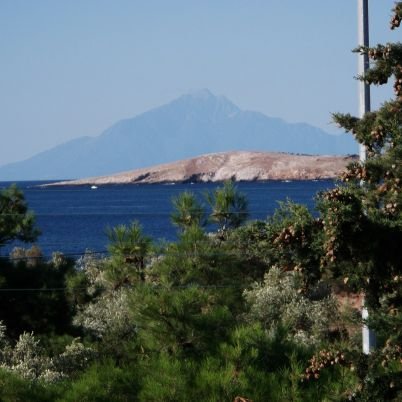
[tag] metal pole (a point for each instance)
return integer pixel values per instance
(363, 38)
(369, 339)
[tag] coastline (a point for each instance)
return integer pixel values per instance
(237, 165)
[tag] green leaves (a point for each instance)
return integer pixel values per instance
(229, 207)
(128, 245)
(188, 211)
(362, 223)
(16, 222)
(129, 242)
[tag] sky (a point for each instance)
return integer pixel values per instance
(72, 68)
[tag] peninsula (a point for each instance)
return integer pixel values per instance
(236, 165)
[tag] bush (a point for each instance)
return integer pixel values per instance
(280, 300)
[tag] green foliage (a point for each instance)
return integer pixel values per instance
(103, 382)
(201, 259)
(280, 301)
(229, 207)
(363, 218)
(16, 222)
(107, 316)
(220, 382)
(129, 246)
(251, 363)
(103, 313)
(76, 288)
(188, 211)
(362, 222)
(13, 388)
(253, 244)
(296, 241)
(30, 361)
(379, 379)
(166, 378)
(290, 239)
(185, 321)
(35, 302)
(192, 295)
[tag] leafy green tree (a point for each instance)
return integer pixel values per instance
(279, 301)
(16, 222)
(229, 206)
(100, 290)
(195, 259)
(131, 246)
(291, 239)
(188, 211)
(29, 359)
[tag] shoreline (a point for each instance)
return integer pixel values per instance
(237, 166)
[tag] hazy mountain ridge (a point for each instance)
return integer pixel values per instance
(194, 124)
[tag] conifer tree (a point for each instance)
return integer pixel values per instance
(188, 211)
(130, 247)
(362, 221)
(16, 222)
(229, 207)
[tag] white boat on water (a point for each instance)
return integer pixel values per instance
(94, 187)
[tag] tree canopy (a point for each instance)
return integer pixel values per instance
(16, 221)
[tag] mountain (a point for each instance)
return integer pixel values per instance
(240, 166)
(194, 124)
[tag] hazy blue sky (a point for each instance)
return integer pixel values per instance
(72, 68)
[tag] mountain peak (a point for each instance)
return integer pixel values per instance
(204, 99)
(202, 94)
(197, 123)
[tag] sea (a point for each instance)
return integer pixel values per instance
(74, 219)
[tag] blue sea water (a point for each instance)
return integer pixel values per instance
(74, 219)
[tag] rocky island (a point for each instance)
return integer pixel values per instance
(236, 165)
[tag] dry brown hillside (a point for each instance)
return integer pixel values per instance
(240, 166)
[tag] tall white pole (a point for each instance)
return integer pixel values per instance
(368, 335)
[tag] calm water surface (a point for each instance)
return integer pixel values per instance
(73, 219)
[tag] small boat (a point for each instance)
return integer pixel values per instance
(94, 187)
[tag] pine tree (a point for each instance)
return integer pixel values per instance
(188, 211)
(16, 222)
(129, 246)
(362, 221)
(229, 207)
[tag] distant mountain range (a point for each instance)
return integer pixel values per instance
(194, 124)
